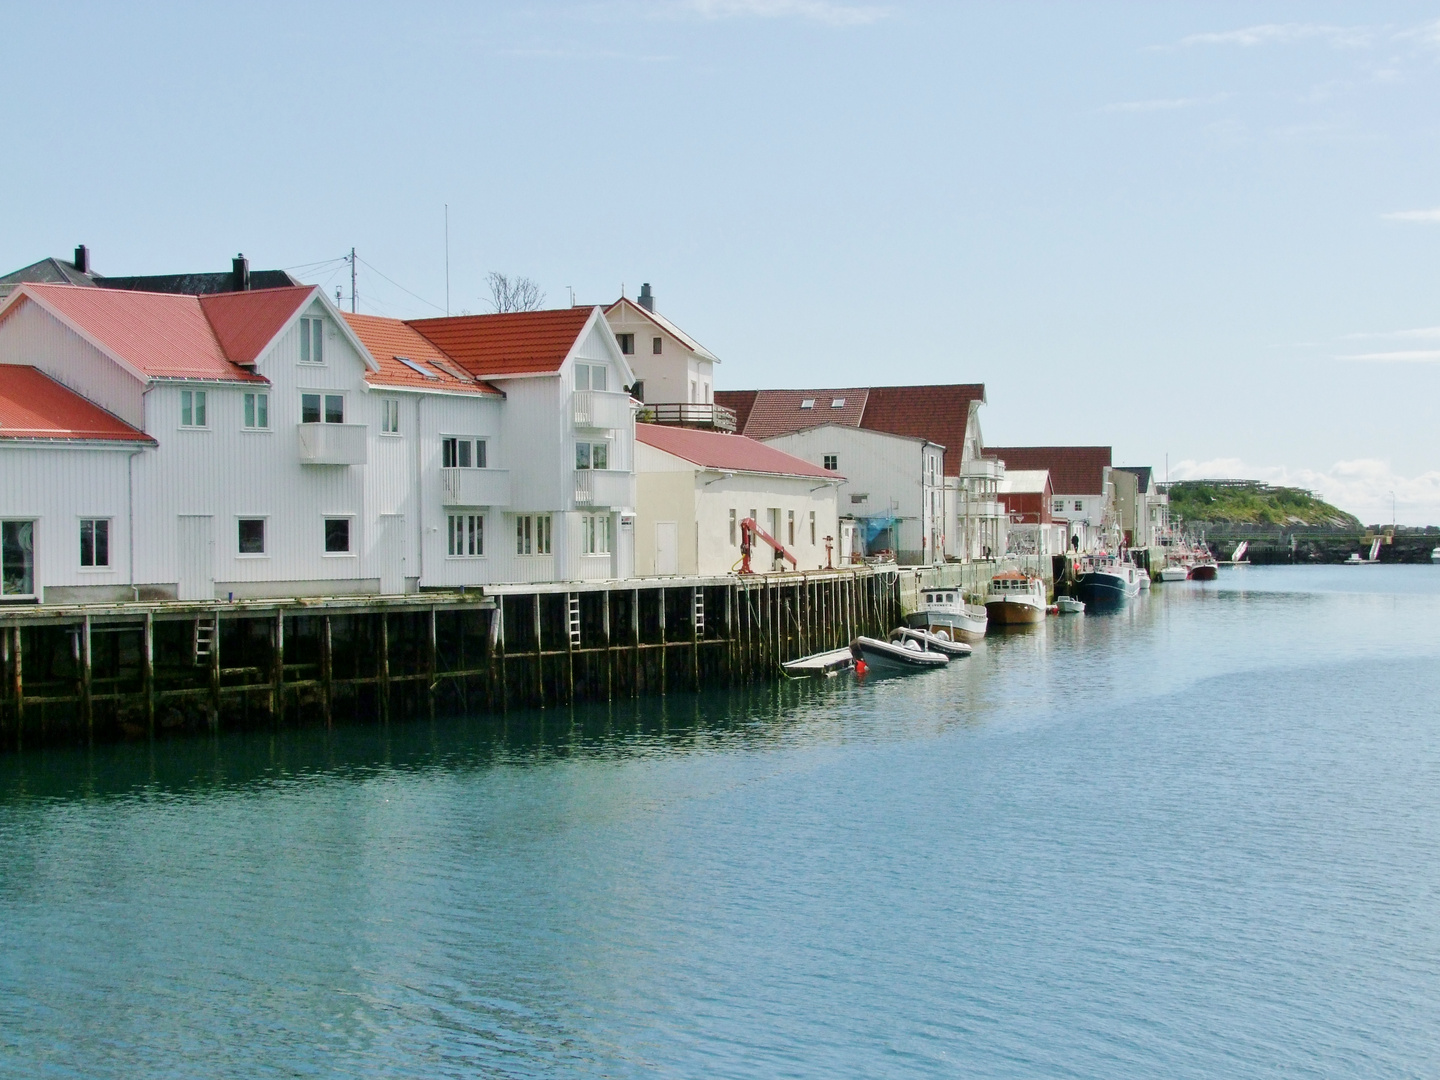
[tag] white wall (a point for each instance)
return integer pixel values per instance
(669, 375)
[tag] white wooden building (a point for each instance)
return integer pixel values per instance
(695, 487)
(268, 450)
(1084, 494)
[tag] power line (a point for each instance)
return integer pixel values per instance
(402, 288)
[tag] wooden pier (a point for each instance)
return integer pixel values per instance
(138, 670)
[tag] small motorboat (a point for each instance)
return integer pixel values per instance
(1435, 555)
(1175, 572)
(1144, 580)
(888, 656)
(929, 641)
(944, 613)
(1204, 569)
(1068, 605)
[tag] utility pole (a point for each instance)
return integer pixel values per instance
(352, 281)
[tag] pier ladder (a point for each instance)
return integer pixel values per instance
(574, 620)
(204, 639)
(699, 612)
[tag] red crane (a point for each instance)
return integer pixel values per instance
(748, 530)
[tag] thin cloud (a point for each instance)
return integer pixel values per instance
(1282, 33)
(828, 12)
(1417, 332)
(1398, 356)
(1163, 104)
(1427, 217)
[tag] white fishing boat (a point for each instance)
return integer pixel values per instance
(1435, 555)
(929, 641)
(1016, 599)
(1068, 605)
(1175, 572)
(1144, 579)
(944, 613)
(879, 655)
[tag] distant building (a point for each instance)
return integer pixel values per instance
(1029, 501)
(1145, 516)
(79, 271)
(674, 373)
(1083, 491)
(695, 487)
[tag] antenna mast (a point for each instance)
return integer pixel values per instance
(352, 281)
(447, 259)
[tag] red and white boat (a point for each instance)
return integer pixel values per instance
(1016, 599)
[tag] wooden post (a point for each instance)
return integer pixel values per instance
(635, 643)
(539, 660)
(18, 689)
(82, 656)
(325, 668)
(384, 667)
(498, 625)
(147, 671)
(277, 667)
(215, 674)
(609, 653)
(697, 597)
(663, 648)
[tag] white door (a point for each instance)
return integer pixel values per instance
(196, 552)
(390, 553)
(667, 545)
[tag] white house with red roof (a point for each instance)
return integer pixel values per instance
(675, 374)
(695, 487)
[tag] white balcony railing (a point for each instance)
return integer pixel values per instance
(988, 468)
(333, 444)
(604, 487)
(601, 409)
(475, 487)
(985, 508)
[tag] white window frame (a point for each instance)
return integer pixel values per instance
(324, 396)
(830, 462)
(197, 402)
(479, 451)
(264, 552)
(349, 552)
(93, 567)
(534, 535)
(595, 534)
(312, 340)
(390, 416)
(34, 524)
(255, 405)
(602, 445)
(469, 530)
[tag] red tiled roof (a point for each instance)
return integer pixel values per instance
(245, 322)
(515, 343)
(35, 406)
(713, 450)
(1074, 470)
(161, 335)
(940, 414)
(389, 339)
(779, 412)
(742, 401)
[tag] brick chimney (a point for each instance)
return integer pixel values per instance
(240, 273)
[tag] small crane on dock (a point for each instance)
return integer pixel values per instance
(749, 529)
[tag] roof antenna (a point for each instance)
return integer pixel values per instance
(447, 260)
(572, 294)
(352, 281)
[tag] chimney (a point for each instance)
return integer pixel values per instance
(82, 259)
(240, 273)
(647, 300)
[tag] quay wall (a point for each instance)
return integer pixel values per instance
(140, 670)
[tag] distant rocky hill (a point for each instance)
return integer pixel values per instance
(1248, 502)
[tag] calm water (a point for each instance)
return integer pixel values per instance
(1199, 838)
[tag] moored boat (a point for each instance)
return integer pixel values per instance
(944, 613)
(1107, 580)
(928, 641)
(1435, 555)
(887, 656)
(1175, 572)
(1204, 569)
(1068, 605)
(1016, 599)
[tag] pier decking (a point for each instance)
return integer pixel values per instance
(135, 670)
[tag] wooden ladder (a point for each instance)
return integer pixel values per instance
(574, 620)
(203, 643)
(699, 613)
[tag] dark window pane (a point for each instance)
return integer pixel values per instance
(600, 456)
(582, 455)
(480, 454)
(252, 536)
(87, 542)
(309, 408)
(464, 459)
(337, 534)
(102, 542)
(334, 409)
(448, 453)
(17, 558)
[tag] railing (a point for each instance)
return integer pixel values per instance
(601, 409)
(333, 444)
(984, 508)
(475, 487)
(988, 468)
(683, 415)
(604, 487)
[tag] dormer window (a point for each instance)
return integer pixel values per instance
(808, 403)
(837, 403)
(312, 341)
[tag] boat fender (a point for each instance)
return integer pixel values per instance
(861, 668)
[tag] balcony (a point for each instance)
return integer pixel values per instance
(333, 444)
(714, 417)
(984, 508)
(601, 409)
(475, 487)
(986, 468)
(604, 487)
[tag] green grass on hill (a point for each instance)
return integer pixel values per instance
(1252, 503)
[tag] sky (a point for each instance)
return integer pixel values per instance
(1204, 234)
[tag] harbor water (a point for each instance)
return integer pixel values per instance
(1197, 837)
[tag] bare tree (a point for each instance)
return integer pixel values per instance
(513, 293)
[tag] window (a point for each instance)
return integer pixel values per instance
(257, 411)
(1057, 506)
(591, 376)
(1079, 505)
(733, 523)
(790, 523)
(837, 403)
(532, 534)
(467, 535)
(251, 536)
(832, 462)
(655, 346)
(310, 408)
(389, 416)
(807, 403)
(592, 455)
(337, 536)
(192, 408)
(857, 499)
(812, 528)
(932, 469)
(312, 341)
(595, 534)
(95, 542)
(17, 558)
(627, 343)
(462, 453)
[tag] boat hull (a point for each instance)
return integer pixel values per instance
(883, 656)
(1204, 572)
(1106, 590)
(1174, 573)
(930, 642)
(1014, 612)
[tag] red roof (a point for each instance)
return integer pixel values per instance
(1074, 470)
(245, 322)
(780, 412)
(390, 339)
(712, 450)
(35, 406)
(742, 401)
(161, 335)
(515, 343)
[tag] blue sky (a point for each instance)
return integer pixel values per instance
(1210, 231)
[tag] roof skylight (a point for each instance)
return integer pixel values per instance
(419, 369)
(838, 403)
(808, 403)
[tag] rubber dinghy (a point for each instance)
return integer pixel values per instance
(886, 656)
(929, 642)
